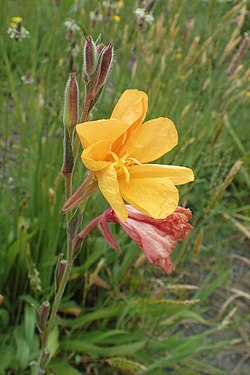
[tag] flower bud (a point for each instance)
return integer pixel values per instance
(68, 160)
(103, 67)
(60, 271)
(89, 58)
(44, 314)
(106, 62)
(99, 48)
(70, 115)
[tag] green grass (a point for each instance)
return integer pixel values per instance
(136, 323)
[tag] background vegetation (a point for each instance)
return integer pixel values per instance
(120, 315)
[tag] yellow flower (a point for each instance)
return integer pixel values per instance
(178, 55)
(15, 20)
(117, 151)
(116, 18)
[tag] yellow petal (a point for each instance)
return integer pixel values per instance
(178, 175)
(101, 130)
(93, 157)
(151, 140)
(131, 107)
(108, 184)
(156, 197)
(16, 19)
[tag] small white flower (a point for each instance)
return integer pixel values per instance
(108, 4)
(95, 16)
(143, 16)
(139, 12)
(149, 18)
(71, 25)
(27, 80)
(18, 33)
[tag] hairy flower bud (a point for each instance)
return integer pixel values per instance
(44, 314)
(106, 62)
(68, 159)
(89, 58)
(99, 48)
(102, 70)
(70, 115)
(60, 271)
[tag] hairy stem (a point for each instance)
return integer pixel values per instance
(69, 257)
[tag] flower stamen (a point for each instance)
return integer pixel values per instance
(123, 163)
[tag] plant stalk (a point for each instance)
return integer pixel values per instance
(69, 257)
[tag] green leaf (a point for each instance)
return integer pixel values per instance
(29, 324)
(209, 286)
(63, 368)
(96, 315)
(95, 337)
(86, 348)
(190, 347)
(4, 317)
(53, 341)
(23, 350)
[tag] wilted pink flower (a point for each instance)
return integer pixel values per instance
(156, 237)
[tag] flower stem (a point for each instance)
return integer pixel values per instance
(59, 294)
(69, 260)
(61, 288)
(69, 257)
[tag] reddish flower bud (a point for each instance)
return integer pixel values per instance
(103, 67)
(99, 48)
(44, 314)
(71, 102)
(89, 58)
(106, 62)
(60, 271)
(68, 160)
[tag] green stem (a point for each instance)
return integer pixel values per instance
(65, 278)
(69, 257)
(59, 294)
(63, 283)
(68, 193)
